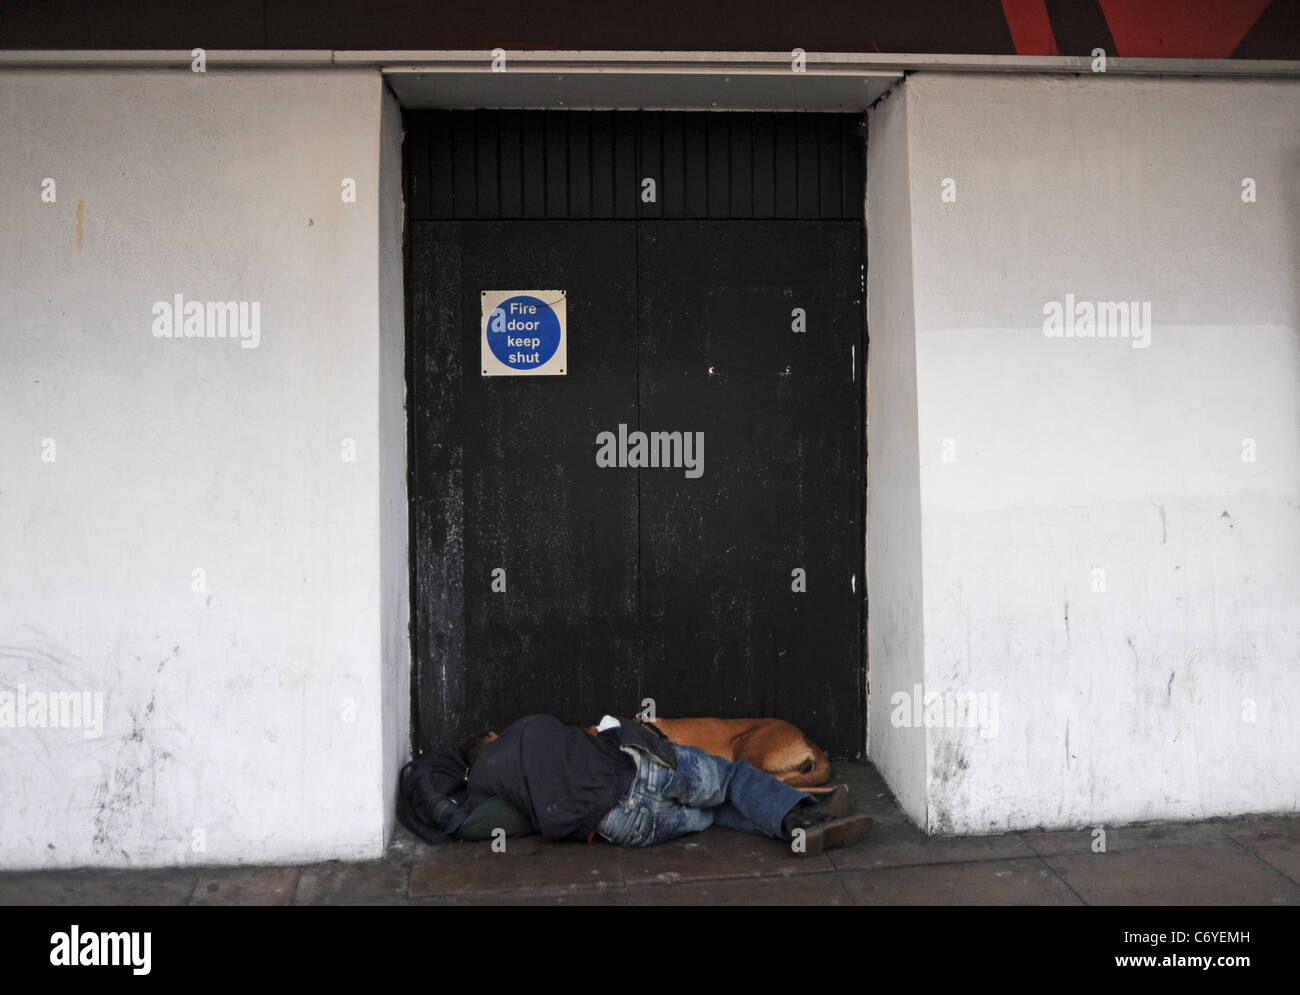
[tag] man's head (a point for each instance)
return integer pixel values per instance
(473, 745)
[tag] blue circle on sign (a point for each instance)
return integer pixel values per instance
(523, 332)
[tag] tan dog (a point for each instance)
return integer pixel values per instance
(774, 746)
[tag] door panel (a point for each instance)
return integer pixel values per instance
(505, 478)
(722, 630)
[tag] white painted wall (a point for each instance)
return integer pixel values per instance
(1074, 455)
(894, 632)
(250, 712)
(395, 601)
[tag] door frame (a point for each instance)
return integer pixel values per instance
(457, 87)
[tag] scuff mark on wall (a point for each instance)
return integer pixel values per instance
(1164, 532)
(950, 765)
(123, 791)
(81, 218)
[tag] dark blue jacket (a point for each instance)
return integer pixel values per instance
(563, 778)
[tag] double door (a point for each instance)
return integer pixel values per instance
(726, 583)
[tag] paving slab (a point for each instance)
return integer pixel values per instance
(868, 793)
(803, 889)
(716, 853)
(246, 886)
(528, 863)
(1120, 839)
(991, 882)
(1274, 840)
(1206, 874)
(894, 842)
(97, 887)
(380, 882)
(570, 896)
(403, 845)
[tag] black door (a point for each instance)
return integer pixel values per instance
(751, 574)
(729, 307)
(504, 480)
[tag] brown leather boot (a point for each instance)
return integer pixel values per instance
(835, 802)
(813, 832)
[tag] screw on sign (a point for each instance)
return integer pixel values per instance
(523, 332)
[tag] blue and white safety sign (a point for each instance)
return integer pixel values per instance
(524, 333)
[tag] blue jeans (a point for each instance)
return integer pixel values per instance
(664, 803)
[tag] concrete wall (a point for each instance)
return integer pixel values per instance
(395, 601)
(242, 705)
(894, 632)
(1109, 532)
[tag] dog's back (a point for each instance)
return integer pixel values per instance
(775, 746)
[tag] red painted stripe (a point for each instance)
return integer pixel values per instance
(1031, 31)
(1179, 29)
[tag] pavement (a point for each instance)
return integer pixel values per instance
(1248, 861)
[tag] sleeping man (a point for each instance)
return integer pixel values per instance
(631, 786)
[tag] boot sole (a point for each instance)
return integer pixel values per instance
(836, 833)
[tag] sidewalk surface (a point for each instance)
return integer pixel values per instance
(1251, 861)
